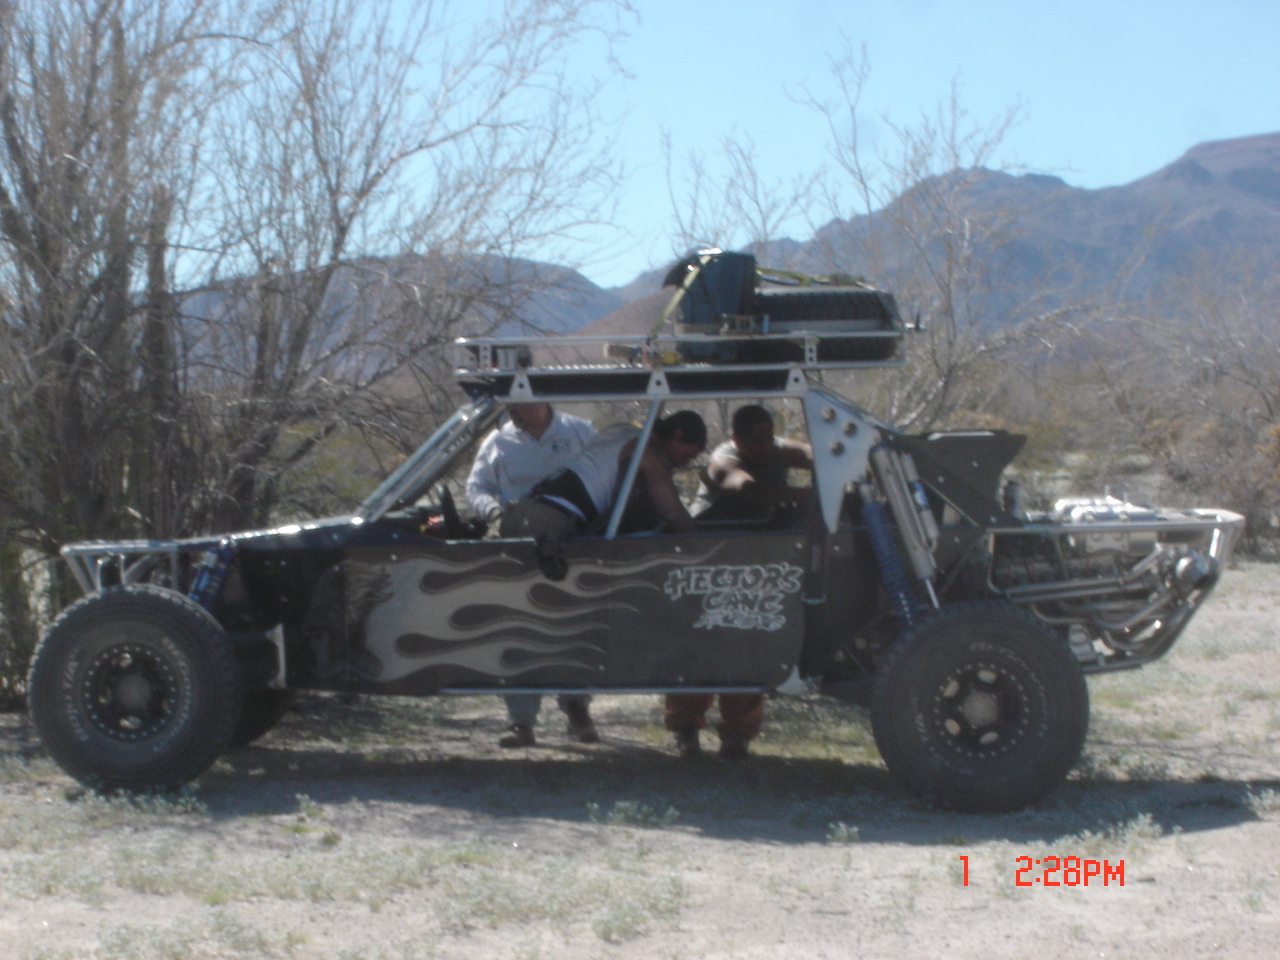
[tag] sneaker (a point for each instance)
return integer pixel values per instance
(581, 728)
(733, 746)
(687, 743)
(517, 735)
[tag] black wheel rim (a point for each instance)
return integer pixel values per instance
(980, 710)
(129, 691)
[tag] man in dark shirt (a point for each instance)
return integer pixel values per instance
(747, 474)
(746, 478)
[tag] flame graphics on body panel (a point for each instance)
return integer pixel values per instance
(501, 617)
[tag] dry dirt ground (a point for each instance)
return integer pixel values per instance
(396, 829)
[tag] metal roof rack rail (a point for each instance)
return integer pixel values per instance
(519, 369)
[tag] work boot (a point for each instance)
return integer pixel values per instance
(517, 735)
(687, 743)
(581, 727)
(733, 745)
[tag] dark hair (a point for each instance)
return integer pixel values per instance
(691, 426)
(744, 418)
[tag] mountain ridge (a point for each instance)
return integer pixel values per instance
(1213, 210)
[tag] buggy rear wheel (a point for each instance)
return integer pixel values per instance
(135, 688)
(981, 707)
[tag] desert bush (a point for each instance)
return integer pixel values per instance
(634, 813)
(840, 832)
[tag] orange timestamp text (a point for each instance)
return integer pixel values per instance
(1061, 872)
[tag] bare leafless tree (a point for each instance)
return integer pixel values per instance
(231, 231)
(376, 179)
(1197, 391)
(905, 214)
(228, 224)
(93, 98)
(725, 200)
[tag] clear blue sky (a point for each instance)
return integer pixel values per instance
(1111, 91)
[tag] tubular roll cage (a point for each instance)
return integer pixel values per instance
(499, 371)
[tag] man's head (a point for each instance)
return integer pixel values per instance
(532, 418)
(753, 432)
(683, 436)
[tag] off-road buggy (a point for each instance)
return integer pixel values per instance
(914, 582)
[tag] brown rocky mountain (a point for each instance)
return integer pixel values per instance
(1213, 211)
(635, 317)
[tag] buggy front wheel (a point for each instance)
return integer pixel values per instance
(135, 688)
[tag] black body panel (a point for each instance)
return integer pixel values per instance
(646, 612)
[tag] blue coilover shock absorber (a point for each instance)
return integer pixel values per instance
(210, 575)
(892, 573)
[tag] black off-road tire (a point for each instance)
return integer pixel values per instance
(981, 707)
(264, 707)
(135, 688)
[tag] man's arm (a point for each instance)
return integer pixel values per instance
(725, 473)
(796, 454)
(482, 483)
(665, 496)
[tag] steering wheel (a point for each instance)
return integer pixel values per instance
(449, 513)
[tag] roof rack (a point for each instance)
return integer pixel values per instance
(733, 363)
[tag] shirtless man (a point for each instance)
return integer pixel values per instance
(747, 474)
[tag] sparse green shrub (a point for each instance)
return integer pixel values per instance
(842, 833)
(832, 810)
(628, 915)
(1131, 836)
(46, 953)
(1116, 767)
(1263, 803)
(618, 904)
(13, 769)
(634, 813)
(223, 935)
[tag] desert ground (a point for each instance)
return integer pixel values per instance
(398, 829)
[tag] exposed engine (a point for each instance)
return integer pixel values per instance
(1120, 579)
